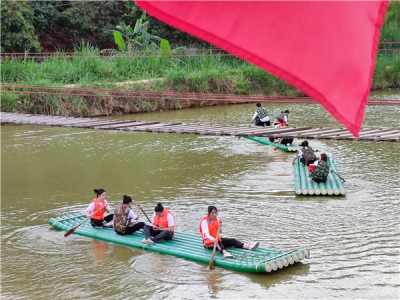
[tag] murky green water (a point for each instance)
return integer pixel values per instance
(47, 172)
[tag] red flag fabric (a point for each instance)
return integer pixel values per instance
(327, 49)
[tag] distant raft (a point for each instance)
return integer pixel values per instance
(304, 185)
(189, 246)
(293, 147)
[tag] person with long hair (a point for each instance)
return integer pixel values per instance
(97, 208)
(209, 226)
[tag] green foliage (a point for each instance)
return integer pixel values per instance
(136, 38)
(17, 32)
(391, 27)
(164, 45)
(119, 41)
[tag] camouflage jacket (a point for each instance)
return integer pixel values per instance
(321, 171)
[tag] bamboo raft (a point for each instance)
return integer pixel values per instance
(293, 147)
(366, 134)
(304, 185)
(189, 246)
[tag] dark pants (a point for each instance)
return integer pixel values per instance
(319, 180)
(225, 243)
(157, 234)
(100, 223)
(132, 229)
(284, 141)
(259, 123)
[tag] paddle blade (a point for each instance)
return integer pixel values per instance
(69, 232)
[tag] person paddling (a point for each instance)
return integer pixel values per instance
(162, 228)
(125, 220)
(208, 229)
(98, 220)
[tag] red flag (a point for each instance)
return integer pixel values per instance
(327, 49)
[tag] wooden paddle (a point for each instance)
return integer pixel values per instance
(280, 140)
(76, 227)
(211, 265)
(333, 171)
(145, 214)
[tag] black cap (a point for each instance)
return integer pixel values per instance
(287, 111)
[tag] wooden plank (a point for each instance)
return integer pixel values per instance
(148, 128)
(97, 123)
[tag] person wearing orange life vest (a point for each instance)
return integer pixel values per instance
(162, 228)
(98, 219)
(208, 230)
(279, 122)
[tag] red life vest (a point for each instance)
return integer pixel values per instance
(212, 229)
(163, 221)
(99, 215)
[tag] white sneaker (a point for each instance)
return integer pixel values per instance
(148, 242)
(228, 255)
(254, 246)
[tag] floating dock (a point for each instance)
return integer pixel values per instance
(304, 185)
(377, 134)
(189, 246)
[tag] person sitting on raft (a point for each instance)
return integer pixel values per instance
(162, 228)
(261, 116)
(282, 121)
(98, 220)
(306, 154)
(208, 229)
(321, 170)
(125, 220)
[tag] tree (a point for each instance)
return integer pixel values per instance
(17, 32)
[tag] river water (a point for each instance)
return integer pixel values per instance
(49, 171)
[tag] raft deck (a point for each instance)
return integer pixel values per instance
(304, 185)
(189, 246)
(293, 147)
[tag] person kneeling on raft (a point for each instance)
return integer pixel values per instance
(98, 220)
(125, 220)
(208, 229)
(162, 228)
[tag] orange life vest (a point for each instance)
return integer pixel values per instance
(212, 229)
(163, 221)
(99, 215)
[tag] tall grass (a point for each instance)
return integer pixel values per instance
(207, 74)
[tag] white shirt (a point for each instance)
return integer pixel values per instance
(266, 119)
(131, 215)
(170, 219)
(90, 208)
(206, 232)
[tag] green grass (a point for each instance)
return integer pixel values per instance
(214, 74)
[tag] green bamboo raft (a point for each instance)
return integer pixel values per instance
(265, 141)
(304, 185)
(189, 246)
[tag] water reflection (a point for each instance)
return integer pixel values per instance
(98, 250)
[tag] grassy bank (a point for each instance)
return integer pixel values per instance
(190, 73)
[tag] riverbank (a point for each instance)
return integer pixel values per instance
(189, 71)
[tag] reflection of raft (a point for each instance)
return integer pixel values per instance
(190, 246)
(265, 141)
(306, 186)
